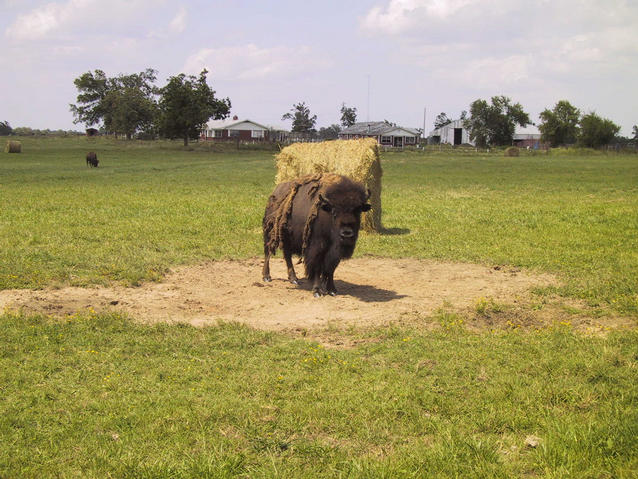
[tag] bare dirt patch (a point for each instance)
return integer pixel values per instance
(372, 291)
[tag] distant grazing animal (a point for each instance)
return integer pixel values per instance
(318, 218)
(91, 159)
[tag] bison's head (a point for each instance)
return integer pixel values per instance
(345, 208)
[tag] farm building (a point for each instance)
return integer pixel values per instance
(528, 137)
(453, 133)
(235, 129)
(385, 133)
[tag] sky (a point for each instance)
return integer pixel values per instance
(404, 61)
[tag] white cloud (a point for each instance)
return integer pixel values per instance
(250, 62)
(178, 24)
(403, 15)
(72, 16)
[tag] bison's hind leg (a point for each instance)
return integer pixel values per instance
(265, 273)
(292, 276)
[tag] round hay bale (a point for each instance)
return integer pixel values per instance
(356, 159)
(13, 147)
(512, 151)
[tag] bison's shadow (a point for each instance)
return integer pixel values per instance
(366, 292)
(363, 292)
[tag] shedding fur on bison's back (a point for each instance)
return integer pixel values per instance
(335, 203)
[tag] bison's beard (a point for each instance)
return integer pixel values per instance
(346, 250)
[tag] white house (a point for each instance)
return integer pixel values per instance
(385, 133)
(235, 129)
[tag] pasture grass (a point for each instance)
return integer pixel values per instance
(98, 395)
(152, 205)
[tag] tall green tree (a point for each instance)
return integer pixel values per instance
(495, 124)
(186, 104)
(130, 103)
(559, 126)
(302, 122)
(92, 88)
(5, 128)
(348, 116)
(124, 104)
(329, 133)
(596, 131)
(634, 132)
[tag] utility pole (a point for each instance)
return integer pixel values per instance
(424, 114)
(368, 109)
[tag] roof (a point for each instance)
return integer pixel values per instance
(375, 128)
(229, 124)
(453, 124)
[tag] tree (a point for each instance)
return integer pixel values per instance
(329, 133)
(92, 88)
(635, 132)
(5, 128)
(559, 126)
(348, 116)
(596, 131)
(124, 104)
(130, 103)
(186, 104)
(495, 124)
(302, 122)
(441, 120)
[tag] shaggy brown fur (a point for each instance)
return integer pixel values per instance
(328, 200)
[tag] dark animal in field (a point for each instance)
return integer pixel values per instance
(91, 159)
(317, 218)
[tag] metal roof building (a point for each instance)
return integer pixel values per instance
(385, 133)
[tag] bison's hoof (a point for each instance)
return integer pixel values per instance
(332, 293)
(294, 281)
(317, 294)
(267, 279)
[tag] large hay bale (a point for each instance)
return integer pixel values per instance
(13, 147)
(356, 159)
(511, 151)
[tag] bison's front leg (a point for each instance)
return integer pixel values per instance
(329, 284)
(330, 264)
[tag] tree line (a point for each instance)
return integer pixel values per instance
(131, 104)
(494, 124)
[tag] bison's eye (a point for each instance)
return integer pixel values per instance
(326, 207)
(366, 207)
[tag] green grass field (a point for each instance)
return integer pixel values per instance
(99, 395)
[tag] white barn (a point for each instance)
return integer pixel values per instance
(453, 133)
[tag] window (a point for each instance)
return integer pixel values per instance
(233, 133)
(218, 133)
(386, 140)
(409, 140)
(257, 133)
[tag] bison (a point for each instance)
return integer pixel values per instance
(91, 159)
(317, 218)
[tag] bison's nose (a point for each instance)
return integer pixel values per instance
(347, 233)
